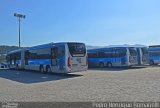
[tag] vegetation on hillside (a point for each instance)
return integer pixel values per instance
(4, 49)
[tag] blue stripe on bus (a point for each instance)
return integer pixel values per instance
(154, 58)
(18, 61)
(39, 61)
(154, 49)
(118, 59)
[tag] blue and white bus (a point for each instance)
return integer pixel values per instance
(154, 55)
(112, 56)
(62, 57)
(143, 55)
(15, 59)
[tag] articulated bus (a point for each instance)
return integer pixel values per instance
(15, 59)
(154, 55)
(53, 57)
(143, 55)
(112, 56)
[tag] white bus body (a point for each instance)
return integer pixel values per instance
(112, 56)
(53, 57)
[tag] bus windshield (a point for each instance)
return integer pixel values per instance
(133, 52)
(77, 49)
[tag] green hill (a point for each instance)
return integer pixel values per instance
(4, 48)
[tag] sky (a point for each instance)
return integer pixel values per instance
(93, 22)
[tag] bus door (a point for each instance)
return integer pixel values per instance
(139, 56)
(133, 59)
(116, 57)
(54, 56)
(121, 53)
(58, 57)
(120, 59)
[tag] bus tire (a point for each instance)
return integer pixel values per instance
(41, 69)
(101, 65)
(151, 62)
(48, 69)
(109, 65)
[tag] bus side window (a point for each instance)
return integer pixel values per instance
(101, 54)
(108, 53)
(54, 53)
(61, 51)
(57, 53)
(92, 55)
(60, 56)
(26, 57)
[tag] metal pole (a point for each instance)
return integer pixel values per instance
(19, 33)
(19, 16)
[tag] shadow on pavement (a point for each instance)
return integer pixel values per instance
(33, 77)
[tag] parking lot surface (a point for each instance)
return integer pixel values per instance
(119, 84)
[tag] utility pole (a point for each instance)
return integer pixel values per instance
(19, 16)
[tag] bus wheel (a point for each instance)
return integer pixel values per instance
(41, 69)
(101, 64)
(48, 69)
(109, 65)
(151, 62)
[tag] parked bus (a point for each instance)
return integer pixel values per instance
(15, 59)
(112, 56)
(154, 55)
(143, 55)
(53, 57)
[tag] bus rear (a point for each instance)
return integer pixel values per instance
(154, 55)
(76, 57)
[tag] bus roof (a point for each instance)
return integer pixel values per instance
(137, 46)
(118, 46)
(105, 48)
(41, 46)
(15, 51)
(49, 45)
(154, 48)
